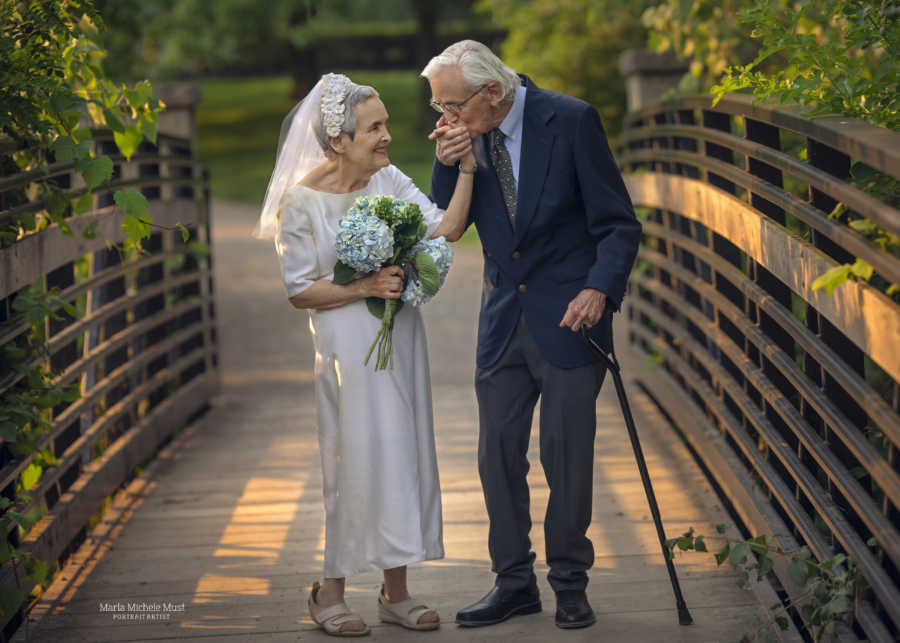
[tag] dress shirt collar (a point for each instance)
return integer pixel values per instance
(512, 124)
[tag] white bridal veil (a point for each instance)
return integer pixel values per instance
(298, 152)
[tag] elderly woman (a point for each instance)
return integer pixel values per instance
(382, 496)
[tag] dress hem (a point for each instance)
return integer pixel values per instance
(374, 566)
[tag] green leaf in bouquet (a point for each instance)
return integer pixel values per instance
(375, 306)
(343, 274)
(422, 231)
(428, 272)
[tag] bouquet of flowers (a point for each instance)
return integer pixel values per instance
(383, 231)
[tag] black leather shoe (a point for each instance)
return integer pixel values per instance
(498, 605)
(573, 610)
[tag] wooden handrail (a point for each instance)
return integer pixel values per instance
(790, 375)
(148, 361)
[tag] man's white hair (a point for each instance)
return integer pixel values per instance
(478, 65)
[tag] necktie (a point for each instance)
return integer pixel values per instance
(503, 167)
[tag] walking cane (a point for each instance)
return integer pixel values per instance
(684, 616)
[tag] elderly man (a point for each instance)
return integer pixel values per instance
(559, 237)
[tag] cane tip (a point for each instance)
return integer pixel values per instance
(684, 616)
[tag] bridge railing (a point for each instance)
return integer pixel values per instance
(789, 395)
(143, 351)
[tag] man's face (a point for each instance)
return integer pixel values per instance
(477, 107)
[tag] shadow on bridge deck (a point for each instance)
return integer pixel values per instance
(226, 527)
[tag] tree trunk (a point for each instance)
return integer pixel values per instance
(426, 36)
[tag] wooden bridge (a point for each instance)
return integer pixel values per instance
(228, 522)
(186, 502)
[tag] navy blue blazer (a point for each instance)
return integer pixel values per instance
(575, 228)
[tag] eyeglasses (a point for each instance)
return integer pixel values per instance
(452, 108)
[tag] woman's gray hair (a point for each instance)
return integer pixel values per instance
(478, 65)
(356, 95)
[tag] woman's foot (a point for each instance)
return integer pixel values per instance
(328, 609)
(399, 608)
(394, 591)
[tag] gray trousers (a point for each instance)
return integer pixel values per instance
(507, 393)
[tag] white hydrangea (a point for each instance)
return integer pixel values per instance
(439, 250)
(364, 242)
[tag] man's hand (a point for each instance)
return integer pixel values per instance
(585, 310)
(452, 143)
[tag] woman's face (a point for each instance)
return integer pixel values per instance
(368, 147)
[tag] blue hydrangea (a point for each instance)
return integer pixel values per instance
(364, 242)
(439, 250)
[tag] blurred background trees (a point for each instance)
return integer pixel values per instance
(254, 58)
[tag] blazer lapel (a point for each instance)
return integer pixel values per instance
(537, 143)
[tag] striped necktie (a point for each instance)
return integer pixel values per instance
(503, 167)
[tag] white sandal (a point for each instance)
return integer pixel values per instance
(406, 613)
(332, 617)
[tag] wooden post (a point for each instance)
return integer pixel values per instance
(649, 76)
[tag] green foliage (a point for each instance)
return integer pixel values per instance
(834, 57)
(831, 57)
(828, 588)
(51, 85)
(52, 91)
(24, 425)
(705, 31)
(841, 57)
(573, 47)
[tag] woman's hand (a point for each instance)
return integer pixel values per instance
(387, 283)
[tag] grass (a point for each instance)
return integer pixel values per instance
(239, 119)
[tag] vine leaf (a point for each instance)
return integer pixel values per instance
(185, 233)
(148, 127)
(128, 140)
(95, 170)
(862, 269)
(31, 475)
(765, 566)
(90, 230)
(131, 202)
(66, 149)
(84, 203)
(135, 228)
(799, 571)
(739, 554)
(832, 279)
(113, 120)
(139, 96)
(700, 544)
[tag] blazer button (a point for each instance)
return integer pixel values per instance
(516, 254)
(522, 287)
(487, 253)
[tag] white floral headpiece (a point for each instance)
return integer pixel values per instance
(335, 89)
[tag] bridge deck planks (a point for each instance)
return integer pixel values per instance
(228, 520)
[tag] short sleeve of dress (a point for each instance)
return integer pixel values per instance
(296, 246)
(405, 189)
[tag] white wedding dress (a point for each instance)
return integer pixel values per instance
(376, 437)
